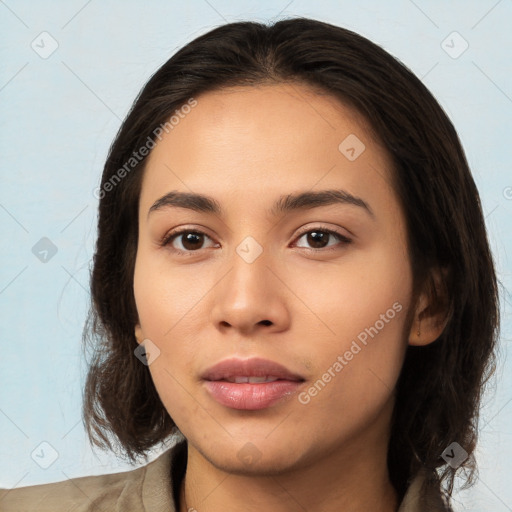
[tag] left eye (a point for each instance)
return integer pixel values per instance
(319, 238)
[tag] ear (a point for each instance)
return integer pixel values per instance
(432, 310)
(138, 334)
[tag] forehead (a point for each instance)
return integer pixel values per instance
(240, 112)
(265, 139)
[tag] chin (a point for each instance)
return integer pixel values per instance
(264, 467)
(256, 457)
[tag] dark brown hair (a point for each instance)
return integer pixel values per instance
(439, 390)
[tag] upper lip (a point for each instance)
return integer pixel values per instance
(253, 367)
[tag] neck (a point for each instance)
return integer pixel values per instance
(351, 479)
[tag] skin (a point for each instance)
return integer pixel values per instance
(245, 147)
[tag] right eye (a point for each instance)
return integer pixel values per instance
(190, 240)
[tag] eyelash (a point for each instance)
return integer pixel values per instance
(168, 238)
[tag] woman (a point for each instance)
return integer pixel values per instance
(292, 275)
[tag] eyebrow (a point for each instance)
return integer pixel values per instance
(287, 203)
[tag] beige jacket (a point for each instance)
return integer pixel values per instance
(145, 489)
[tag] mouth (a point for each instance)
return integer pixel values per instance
(250, 384)
(242, 379)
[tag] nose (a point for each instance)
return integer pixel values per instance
(250, 298)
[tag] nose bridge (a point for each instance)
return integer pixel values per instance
(249, 293)
(250, 250)
(249, 277)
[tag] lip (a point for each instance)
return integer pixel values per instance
(247, 395)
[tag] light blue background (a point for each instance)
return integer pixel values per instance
(59, 116)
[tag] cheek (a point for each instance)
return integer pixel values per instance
(344, 299)
(357, 352)
(166, 298)
(168, 306)
(159, 317)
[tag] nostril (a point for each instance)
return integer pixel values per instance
(266, 322)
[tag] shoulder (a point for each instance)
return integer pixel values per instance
(144, 488)
(102, 491)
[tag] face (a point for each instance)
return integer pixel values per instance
(273, 279)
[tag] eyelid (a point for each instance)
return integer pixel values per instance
(343, 239)
(322, 228)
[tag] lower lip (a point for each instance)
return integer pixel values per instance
(249, 396)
